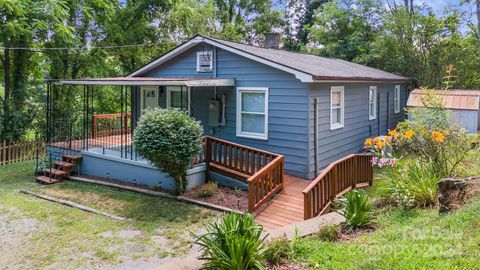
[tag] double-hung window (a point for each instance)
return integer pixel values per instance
(337, 107)
(252, 112)
(178, 97)
(396, 99)
(372, 103)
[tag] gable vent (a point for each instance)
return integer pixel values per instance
(204, 61)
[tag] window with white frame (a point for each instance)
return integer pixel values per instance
(336, 107)
(204, 61)
(252, 112)
(372, 103)
(178, 97)
(396, 99)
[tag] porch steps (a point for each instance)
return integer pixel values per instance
(46, 180)
(60, 169)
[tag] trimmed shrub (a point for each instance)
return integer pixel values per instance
(279, 249)
(356, 209)
(329, 233)
(235, 243)
(170, 140)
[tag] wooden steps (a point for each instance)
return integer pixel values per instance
(60, 169)
(46, 180)
(287, 207)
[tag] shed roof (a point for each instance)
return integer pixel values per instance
(306, 67)
(451, 99)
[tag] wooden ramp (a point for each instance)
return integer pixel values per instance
(287, 207)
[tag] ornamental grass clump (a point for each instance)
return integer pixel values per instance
(170, 140)
(414, 184)
(233, 243)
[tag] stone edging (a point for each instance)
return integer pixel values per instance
(156, 193)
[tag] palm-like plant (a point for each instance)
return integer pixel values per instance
(356, 208)
(235, 242)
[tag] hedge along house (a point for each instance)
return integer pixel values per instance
(267, 113)
(464, 105)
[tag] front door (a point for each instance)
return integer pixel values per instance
(149, 97)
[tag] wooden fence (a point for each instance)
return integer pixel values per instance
(21, 151)
(338, 178)
(263, 171)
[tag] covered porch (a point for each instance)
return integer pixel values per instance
(102, 133)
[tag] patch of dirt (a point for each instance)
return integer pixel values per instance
(347, 235)
(14, 233)
(224, 196)
(90, 198)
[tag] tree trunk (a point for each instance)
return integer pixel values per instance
(478, 22)
(7, 86)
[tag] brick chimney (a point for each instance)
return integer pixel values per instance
(272, 41)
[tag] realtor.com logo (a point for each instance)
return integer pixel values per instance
(436, 242)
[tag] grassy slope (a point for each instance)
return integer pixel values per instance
(418, 239)
(71, 238)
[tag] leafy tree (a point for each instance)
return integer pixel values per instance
(346, 29)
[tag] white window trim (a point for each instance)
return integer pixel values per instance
(177, 89)
(142, 95)
(198, 61)
(374, 116)
(340, 89)
(396, 99)
(251, 135)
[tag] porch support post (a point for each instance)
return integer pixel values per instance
(133, 114)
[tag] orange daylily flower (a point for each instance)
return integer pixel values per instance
(408, 134)
(393, 133)
(388, 139)
(438, 136)
(380, 144)
(368, 143)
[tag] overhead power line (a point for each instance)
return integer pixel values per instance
(79, 48)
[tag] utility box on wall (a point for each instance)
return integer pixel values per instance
(214, 107)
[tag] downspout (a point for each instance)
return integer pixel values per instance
(388, 110)
(315, 133)
(379, 104)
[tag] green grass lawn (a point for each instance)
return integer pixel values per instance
(416, 239)
(41, 234)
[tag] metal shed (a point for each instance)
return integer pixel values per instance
(465, 104)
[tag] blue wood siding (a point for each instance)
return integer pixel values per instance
(288, 103)
(335, 144)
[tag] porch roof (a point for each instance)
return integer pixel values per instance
(134, 81)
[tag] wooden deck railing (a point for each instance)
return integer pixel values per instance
(21, 151)
(110, 124)
(339, 177)
(262, 170)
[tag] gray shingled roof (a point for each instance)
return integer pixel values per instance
(321, 68)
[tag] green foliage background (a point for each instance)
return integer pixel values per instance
(408, 40)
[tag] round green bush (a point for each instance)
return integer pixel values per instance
(170, 140)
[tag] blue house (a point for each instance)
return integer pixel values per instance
(313, 110)
(272, 120)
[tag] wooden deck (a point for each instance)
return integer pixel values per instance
(287, 207)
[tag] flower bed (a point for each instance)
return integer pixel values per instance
(235, 199)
